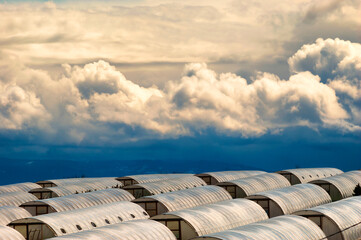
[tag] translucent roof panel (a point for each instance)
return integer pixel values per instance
(260, 183)
(108, 181)
(11, 213)
(232, 175)
(101, 215)
(297, 197)
(150, 230)
(286, 227)
(16, 198)
(171, 185)
(84, 200)
(221, 216)
(7, 233)
(345, 182)
(193, 197)
(145, 178)
(18, 187)
(74, 189)
(308, 174)
(345, 213)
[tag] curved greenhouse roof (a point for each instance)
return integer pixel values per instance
(7, 233)
(11, 213)
(230, 175)
(193, 197)
(296, 197)
(220, 216)
(150, 230)
(345, 213)
(107, 181)
(145, 178)
(305, 175)
(278, 228)
(345, 183)
(84, 187)
(260, 183)
(18, 187)
(84, 200)
(173, 184)
(78, 220)
(16, 198)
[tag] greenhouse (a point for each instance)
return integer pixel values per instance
(107, 181)
(7, 233)
(171, 185)
(146, 178)
(212, 178)
(340, 219)
(150, 230)
(291, 199)
(211, 218)
(340, 186)
(51, 192)
(77, 201)
(62, 223)
(18, 187)
(305, 175)
(16, 198)
(11, 213)
(279, 228)
(244, 187)
(188, 198)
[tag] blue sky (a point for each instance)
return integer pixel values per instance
(254, 84)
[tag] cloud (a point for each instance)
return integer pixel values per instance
(96, 103)
(20, 109)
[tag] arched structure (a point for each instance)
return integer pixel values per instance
(170, 185)
(279, 228)
(339, 220)
(18, 187)
(146, 178)
(211, 218)
(291, 199)
(150, 230)
(244, 187)
(11, 213)
(108, 181)
(340, 186)
(77, 201)
(188, 198)
(305, 175)
(212, 178)
(62, 223)
(16, 198)
(7, 233)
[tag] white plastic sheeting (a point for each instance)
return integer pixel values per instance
(16, 198)
(7, 233)
(11, 213)
(18, 187)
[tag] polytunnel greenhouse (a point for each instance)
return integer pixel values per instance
(145, 178)
(291, 199)
(244, 187)
(286, 227)
(11, 213)
(150, 230)
(77, 201)
(210, 218)
(340, 186)
(188, 198)
(171, 185)
(62, 223)
(18, 187)
(7, 233)
(305, 175)
(341, 219)
(212, 178)
(16, 198)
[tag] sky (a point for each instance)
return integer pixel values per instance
(256, 84)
